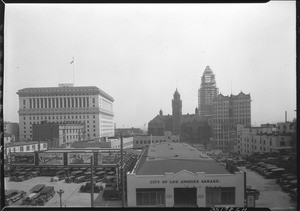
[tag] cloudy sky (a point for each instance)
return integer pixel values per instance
(139, 54)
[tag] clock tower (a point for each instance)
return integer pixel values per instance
(176, 113)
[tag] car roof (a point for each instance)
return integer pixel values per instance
(8, 192)
(38, 187)
(47, 188)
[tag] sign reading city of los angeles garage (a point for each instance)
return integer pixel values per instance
(184, 181)
(21, 158)
(79, 158)
(51, 158)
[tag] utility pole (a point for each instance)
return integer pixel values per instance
(122, 173)
(92, 181)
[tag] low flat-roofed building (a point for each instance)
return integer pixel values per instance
(177, 174)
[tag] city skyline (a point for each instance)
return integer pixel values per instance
(140, 54)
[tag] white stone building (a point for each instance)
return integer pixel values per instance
(86, 104)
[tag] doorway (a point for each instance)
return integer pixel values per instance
(185, 197)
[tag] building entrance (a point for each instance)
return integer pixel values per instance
(185, 197)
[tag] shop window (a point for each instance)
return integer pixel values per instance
(150, 197)
(223, 195)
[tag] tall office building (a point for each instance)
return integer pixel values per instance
(228, 111)
(176, 113)
(207, 92)
(86, 104)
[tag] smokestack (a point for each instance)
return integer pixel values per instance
(285, 116)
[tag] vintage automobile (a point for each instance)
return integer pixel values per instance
(80, 179)
(275, 173)
(12, 196)
(87, 188)
(289, 186)
(283, 177)
(34, 193)
(70, 179)
(45, 195)
(283, 180)
(111, 193)
(61, 174)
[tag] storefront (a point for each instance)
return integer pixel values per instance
(162, 179)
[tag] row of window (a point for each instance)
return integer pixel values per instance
(157, 196)
(74, 102)
(58, 117)
(151, 141)
(28, 148)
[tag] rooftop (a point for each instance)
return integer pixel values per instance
(174, 157)
(14, 144)
(59, 90)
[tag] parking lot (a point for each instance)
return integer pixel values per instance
(70, 198)
(271, 194)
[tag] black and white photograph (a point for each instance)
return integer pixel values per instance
(150, 105)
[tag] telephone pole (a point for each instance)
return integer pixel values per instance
(122, 173)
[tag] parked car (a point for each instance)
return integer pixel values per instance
(60, 174)
(283, 177)
(34, 193)
(289, 186)
(87, 188)
(12, 196)
(45, 195)
(70, 179)
(110, 193)
(275, 173)
(80, 179)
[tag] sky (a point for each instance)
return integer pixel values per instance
(140, 53)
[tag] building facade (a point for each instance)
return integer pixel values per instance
(12, 128)
(191, 128)
(207, 92)
(59, 134)
(24, 147)
(87, 104)
(264, 139)
(143, 141)
(178, 175)
(228, 111)
(128, 131)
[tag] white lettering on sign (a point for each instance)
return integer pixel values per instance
(185, 181)
(154, 181)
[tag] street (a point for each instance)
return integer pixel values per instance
(70, 198)
(271, 195)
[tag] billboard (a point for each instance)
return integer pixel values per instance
(109, 158)
(51, 158)
(23, 158)
(79, 158)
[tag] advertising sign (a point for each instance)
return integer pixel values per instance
(51, 158)
(109, 158)
(23, 159)
(79, 158)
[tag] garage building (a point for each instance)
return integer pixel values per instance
(177, 175)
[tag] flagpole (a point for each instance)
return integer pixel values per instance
(73, 72)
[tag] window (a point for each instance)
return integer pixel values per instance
(33, 147)
(21, 149)
(223, 195)
(45, 145)
(148, 197)
(27, 148)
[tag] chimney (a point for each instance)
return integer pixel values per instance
(285, 116)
